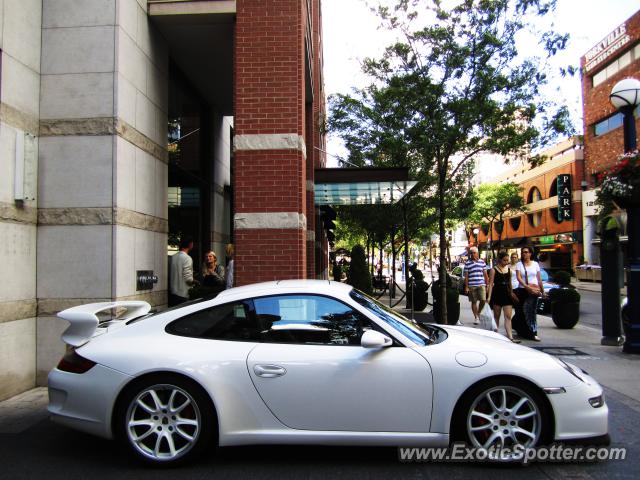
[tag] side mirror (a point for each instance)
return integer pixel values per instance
(373, 339)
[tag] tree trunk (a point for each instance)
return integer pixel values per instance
(381, 247)
(392, 278)
(442, 272)
(405, 234)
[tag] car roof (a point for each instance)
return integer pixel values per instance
(284, 286)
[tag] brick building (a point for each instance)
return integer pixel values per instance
(615, 57)
(557, 243)
(126, 124)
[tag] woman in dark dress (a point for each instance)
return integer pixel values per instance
(500, 293)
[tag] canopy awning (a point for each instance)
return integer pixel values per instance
(361, 186)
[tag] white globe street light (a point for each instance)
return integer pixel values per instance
(625, 96)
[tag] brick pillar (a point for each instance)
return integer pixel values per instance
(270, 218)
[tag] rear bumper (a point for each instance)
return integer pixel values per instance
(85, 401)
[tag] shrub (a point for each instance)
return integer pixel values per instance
(562, 278)
(564, 295)
(359, 276)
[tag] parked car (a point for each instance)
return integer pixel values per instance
(308, 362)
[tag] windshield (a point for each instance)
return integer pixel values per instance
(417, 333)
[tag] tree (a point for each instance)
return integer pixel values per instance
(359, 276)
(456, 85)
(493, 202)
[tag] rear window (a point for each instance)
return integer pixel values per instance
(231, 321)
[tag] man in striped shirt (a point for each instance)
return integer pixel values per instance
(475, 283)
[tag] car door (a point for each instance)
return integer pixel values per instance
(312, 373)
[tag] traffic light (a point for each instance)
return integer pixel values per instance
(328, 215)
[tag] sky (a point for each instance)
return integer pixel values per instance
(350, 34)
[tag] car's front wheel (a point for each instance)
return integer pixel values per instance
(502, 416)
(165, 420)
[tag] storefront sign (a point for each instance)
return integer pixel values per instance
(607, 47)
(558, 238)
(564, 197)
(546, 240)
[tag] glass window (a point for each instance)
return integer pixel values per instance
(616, 65)
(599, 77)
(534, 195)
(624, 60)
(232, 321)
(309, 319)
(616, 121)
(515, 223)
(535, 218)
(412, 331)
(601, 128)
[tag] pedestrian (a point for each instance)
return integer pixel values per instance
(530, 288)
(475, 283)
(212, 273)
(500, 293)
(181, 273)
(230, 264)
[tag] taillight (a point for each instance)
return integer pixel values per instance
(74, 363)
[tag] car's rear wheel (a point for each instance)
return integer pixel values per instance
(165, 420)
(504, 416)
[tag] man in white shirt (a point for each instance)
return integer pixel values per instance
(181, 273)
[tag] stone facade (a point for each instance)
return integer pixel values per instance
(84, 110)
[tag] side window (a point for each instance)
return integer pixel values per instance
(232, 321)
(309, 319)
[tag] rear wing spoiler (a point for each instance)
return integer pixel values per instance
(84, 319)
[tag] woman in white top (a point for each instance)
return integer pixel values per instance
(513, 266)
(529, 279)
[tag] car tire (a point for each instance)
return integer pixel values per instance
(485, 418)
(165, 420)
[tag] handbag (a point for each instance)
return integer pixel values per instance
(536, 290)
(486, 319)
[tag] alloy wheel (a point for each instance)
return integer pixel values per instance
(503, 417)
(163, 422)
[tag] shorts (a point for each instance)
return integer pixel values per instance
(478, 294)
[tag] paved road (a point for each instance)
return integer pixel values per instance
(48, 451)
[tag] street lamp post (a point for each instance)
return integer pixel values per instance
(475, 234)
(625, 96)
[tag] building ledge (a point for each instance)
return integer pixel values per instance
(191, 7)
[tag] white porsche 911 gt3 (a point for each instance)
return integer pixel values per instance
(308, 362)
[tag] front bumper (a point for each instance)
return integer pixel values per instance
(575, 418)
(85, 401)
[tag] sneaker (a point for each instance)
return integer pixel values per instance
(536, 339)
(476, 321)
(459, 324)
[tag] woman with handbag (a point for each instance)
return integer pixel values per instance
(531, 287)
(500, 294)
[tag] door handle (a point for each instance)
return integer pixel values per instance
(269, 371)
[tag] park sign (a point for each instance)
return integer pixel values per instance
(564, 197)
